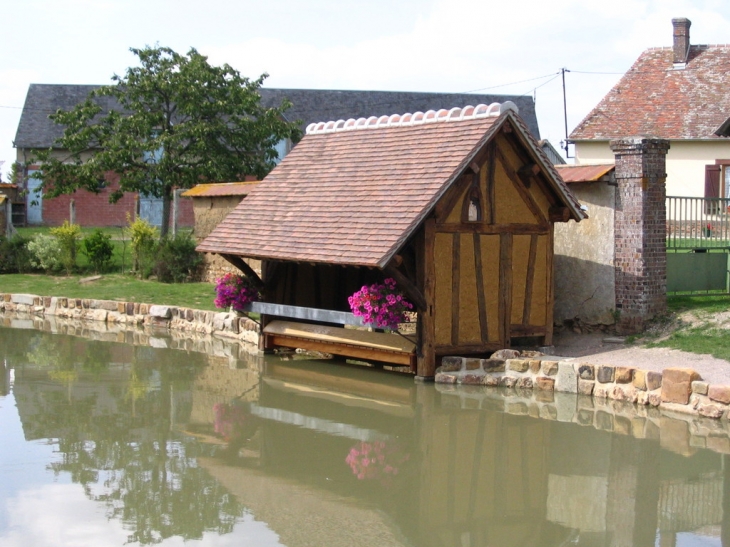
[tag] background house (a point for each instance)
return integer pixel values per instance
(678, 93)
(37, 131)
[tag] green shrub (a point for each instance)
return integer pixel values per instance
(68, 236)
(45, 253)
(99, 249)
(143, 239)
(177, 260)
(14, 254)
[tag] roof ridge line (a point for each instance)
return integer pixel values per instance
(468, 112)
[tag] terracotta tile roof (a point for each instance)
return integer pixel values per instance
(654, 99)
(220, 189)
(354, 196)
(584, 173)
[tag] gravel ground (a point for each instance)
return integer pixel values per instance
(597, 349)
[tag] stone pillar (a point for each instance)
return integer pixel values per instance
(640, 259)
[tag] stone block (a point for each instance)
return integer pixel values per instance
(507, 381)
(623, 392)
(721, 394)
(623, 375)
(518, 365)
(493, 365)
(710, 410)
(451, 364)
(441, 378)
(639, 380)
(600, 391)
(163, 312)
(586, 372)
(605, 374)
(585, 387)
(471, 380)
(544, 383)
(524, 383)
(549, 368)
(566, 380)
(534, 366)
(677, 385)
(655, 397)
(472, 364)
(26, 299)
(505, 354)
(653, 380)
(700, 387)
(491, 381)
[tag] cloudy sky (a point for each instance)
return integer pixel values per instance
(516, 47)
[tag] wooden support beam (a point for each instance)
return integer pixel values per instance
(527, 172)
(247, 270)
(408, 286)
(559, 214)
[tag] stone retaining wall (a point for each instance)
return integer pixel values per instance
(111, 312)
(677, 389)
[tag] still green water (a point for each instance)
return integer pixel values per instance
(107, 444)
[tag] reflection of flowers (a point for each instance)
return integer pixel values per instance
(229, 419)
(376, 460)
(380, 305)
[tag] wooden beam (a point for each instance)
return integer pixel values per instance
(559, 214)
(455, 287)
(505, 288)
(481, 296)
(527, 172)
(478, 228)
(521, 189)
(529, 280)
(426, 369)
(247, 270)
(410, 288)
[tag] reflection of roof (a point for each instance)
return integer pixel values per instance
(653, 98)
(221, 189)
(584, 173)
(353, 192)
(302, 514)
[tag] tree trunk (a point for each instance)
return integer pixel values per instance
(166, 201)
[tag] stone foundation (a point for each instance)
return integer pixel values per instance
(112, 312)
(680, 390)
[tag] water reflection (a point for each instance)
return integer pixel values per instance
(175, 444)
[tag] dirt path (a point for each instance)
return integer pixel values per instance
(599, 349)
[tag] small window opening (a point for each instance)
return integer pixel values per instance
(475, 210)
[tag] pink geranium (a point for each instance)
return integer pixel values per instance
(234, 291)
(381, 305)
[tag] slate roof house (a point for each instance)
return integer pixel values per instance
(36, 131)
(456, 205)
(679, 93)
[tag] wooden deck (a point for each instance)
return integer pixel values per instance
(359, 344)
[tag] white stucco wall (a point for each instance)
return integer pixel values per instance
(686, 162)
(584, 265)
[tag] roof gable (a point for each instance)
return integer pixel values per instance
(655, 99)
(355, 196)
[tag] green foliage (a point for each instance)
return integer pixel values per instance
(68, 236)
(177, 261)
(143, 239)
(179, 122)
(99, 249)
(45, 253)
(14, 254)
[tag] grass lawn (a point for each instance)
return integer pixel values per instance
(698, 324)
(113, 287)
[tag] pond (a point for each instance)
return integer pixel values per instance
(122, 443)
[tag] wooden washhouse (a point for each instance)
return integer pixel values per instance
(457, 206)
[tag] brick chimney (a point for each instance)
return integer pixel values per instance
(681, 40)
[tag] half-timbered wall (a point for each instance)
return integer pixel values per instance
(492, 254)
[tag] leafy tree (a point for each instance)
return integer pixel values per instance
(177, 122)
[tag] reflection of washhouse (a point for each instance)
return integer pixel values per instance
(473, 477)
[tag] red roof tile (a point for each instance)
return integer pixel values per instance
(584, 173)
(655, 99)
(355, 196)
